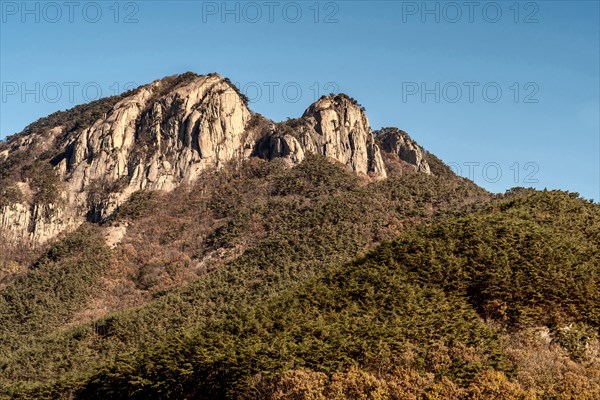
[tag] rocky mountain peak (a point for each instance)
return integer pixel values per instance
(162, 135)
(340, 102)
(83, 163)
(397, 142)
(155, 137)
(334, 126)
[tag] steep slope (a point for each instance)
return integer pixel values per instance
(335, 127)
(158, 136)
(80, 165)
(413, 304)
(455, 309)
(235, 236)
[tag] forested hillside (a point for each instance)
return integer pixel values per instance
(465, 296)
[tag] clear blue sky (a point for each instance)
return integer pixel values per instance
(543, 56)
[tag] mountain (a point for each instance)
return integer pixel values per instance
(169, 243)
(82, 164)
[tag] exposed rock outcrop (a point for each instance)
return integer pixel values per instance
(156, 138)
(398, 142)
(157, 142)
(89, 160)
(39, 222)
(334, 126)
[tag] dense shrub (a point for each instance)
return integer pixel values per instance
(290, 314)
(10, 195)
(55, 287)
(417, 295)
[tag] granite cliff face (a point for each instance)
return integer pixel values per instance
(156, 138)
(397, 142)
(149, 142)
(160, 136)
(335, 127)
